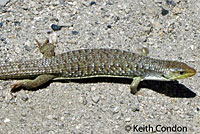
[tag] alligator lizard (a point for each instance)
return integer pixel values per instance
(87, 63)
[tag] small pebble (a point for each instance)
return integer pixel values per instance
(128, 119)
(50, 117)
(53, 37)
(56, 27)
(121, 102)
(109, 26)
(147, 29)
(73, 42)
(55, 19)
(17, 23)
(4, 2)
(171, 2)
(24, 97)
(61, 126)
(192, 47)
(3, 9)
(135, 109)
(1, 24)
(25, 8)
(51, 132)
(159, 1)
(22, 121)
(117, 18)
(115, 110)
(93, 88)
(78, 126)
(2, 39)
(27, 48)
(24, 113)
(63, 2)
(109, 3)
(95, 99)
(6, 120)
(49, 32)
(83, 100)
(5, 84)
(176, 10)
(96, 22)
(142, 39)
(74, 32)
(164, 12)
(180, 58)
(92, 3)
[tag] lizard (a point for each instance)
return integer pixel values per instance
(87, 63)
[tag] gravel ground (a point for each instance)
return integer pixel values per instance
(170, 29)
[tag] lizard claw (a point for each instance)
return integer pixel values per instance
(16, 87)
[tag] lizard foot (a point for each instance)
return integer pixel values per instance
(47, 49)
(16, 87)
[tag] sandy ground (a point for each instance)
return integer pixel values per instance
(170, 29)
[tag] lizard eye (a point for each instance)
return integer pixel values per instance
(182, 72)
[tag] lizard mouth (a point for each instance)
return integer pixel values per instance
(190, 72)
(180, 75)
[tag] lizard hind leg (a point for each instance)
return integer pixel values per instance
(31, 84)
(47, 49)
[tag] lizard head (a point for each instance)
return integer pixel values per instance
(178, 70)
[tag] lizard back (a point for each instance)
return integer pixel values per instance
(79, 64)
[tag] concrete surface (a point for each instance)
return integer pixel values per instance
(170, 29)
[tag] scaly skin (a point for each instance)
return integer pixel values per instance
(87, 63)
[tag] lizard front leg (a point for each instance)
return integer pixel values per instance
(134, 84)
(31, 84)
